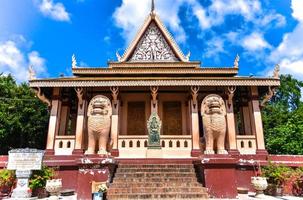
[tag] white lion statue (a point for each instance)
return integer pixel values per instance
(99, 121)
(213, 113)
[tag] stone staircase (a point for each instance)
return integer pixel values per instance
(156, 181)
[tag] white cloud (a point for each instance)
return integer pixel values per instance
(53, 10)
(255, 42)
(297, 7)
(215, 46)
(14, 61)
(289, 53)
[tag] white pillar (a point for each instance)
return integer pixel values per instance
(257, 119)
(115, 124)
(53, 119)
(231, 127)
(195, 127)
(81, 116)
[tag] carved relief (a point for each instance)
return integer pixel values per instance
(42, 97)
(153, 47)
(268, 96)
(231, 92)
(115, 93)
(99, 121)
(154, 93)
(79, 92)
(236, 62)
(213, 113)
(276, 71)
(194, 94)
(154, 128)
(31, 73)
(74, 61)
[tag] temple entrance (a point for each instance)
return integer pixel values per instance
(175, 137)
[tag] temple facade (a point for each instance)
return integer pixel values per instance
(198, 109)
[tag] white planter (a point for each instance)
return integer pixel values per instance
(259, 184)
(54, 187)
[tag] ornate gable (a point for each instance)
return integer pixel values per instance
(153, 47)
(153, 43)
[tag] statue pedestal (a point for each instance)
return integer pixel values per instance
(154, 152)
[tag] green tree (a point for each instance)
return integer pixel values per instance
(23, 117)
(283, 118)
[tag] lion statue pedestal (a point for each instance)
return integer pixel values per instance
(98, 124)
(213, 113)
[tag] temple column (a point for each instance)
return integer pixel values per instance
(115, 121)
(53, 121)
(195, 122)
(81, 115)
(257, 126)
(230, 120)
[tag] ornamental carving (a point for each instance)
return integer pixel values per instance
(99, 121)
(153, 47)
(213, 113)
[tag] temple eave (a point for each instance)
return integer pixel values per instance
(77, 82)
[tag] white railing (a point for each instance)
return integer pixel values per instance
(64, 144)
(172, 145)
(246, 144)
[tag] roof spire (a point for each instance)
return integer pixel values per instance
(153, 6)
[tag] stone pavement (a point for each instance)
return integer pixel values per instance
(251, 195)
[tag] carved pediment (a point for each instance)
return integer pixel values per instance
(153, 47)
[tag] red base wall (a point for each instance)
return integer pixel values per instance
(220, 174)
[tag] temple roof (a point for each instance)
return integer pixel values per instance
(153, 58)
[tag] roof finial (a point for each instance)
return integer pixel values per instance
(153, 6)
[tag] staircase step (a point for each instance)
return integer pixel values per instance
(158, 174)
(158, 196)
(157, 190)
(163, 166)
(155, 184)
(130, 170)
(155, 179)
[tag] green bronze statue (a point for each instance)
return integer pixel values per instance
(154, 127)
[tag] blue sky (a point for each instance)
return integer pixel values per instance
(45, 33)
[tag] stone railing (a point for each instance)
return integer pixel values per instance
(172, 145)
(246, 144)
(64, 144)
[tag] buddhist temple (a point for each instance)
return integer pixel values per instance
(154, 104)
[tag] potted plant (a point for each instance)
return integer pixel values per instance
(38, 180)
(258, 181)
(7, 181)
(277, 175)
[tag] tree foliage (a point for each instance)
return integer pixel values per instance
(283, 118)
(23, 117)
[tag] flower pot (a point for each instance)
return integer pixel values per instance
(259, 184)
(40, 193)
(54, 187)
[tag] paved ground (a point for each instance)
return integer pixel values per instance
(251, 196)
